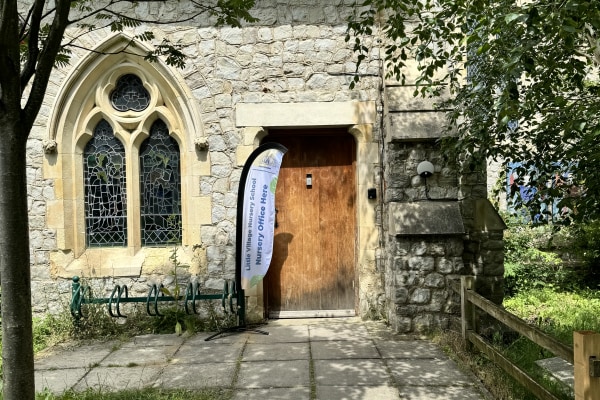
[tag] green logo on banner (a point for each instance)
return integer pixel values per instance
(273, 185)
(255, 279)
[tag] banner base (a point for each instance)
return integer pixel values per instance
(312, 314)
(236, 329)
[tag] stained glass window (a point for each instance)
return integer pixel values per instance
(160, 187)
(104, 187)
(130, 94)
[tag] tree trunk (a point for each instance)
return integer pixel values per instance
(15, 272)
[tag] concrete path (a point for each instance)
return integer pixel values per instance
(325, 359)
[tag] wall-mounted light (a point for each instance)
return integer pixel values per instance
(425, 169)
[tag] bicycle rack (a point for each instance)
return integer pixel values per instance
(81, 295)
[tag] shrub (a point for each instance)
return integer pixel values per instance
(551, 256)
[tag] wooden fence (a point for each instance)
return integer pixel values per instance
(584, 355)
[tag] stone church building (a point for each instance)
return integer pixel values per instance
(128, 157)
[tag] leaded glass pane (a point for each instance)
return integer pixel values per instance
(104, 187)
(160, 182)
(130, 94)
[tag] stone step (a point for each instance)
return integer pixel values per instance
(559, 369)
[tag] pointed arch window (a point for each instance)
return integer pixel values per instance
(116, 210)
(105, 189)
(157, 204)
(160, 187)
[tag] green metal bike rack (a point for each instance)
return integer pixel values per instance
(81, 294)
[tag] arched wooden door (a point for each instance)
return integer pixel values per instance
(312, 272)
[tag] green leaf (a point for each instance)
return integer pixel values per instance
(515, 17)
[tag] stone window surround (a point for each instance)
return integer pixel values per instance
(80, 105)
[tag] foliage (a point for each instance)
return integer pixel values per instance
(50, 330)
(176, 293)
(558, 313)
(588, 239)
(525, 264)
(520, 80)
(550, 256)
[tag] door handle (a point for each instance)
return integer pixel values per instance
(276, 223)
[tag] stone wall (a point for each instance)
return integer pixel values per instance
(419, 270)
(437, 228)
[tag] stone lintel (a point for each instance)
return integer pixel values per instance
(416, 125)
(402, 98)
(425, 218)
(347, 113)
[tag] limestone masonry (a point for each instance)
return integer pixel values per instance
(288, 72)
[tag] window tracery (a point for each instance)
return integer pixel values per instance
(130, 94)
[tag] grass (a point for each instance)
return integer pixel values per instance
(558, 313)
(142, 394)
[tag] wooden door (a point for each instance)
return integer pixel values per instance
(312, 272)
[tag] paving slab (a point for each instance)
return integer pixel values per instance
(207, 352)
(119, 378)
(156, 340)
(58, 381)
(560, 369)
(82, 356)
(338, 331)
(440, 393)
(272, 374)
(223, 338)
(343, 349)
(350, 359)
(276, 351)
(144, 355)
(197, 376)
(408, 349)
(351, 372)
(428, 372)
(382, 392)
(295, 393)
(280, 334)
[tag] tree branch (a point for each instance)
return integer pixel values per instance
(22, 33)
(45, 63)
(33, 43)
(116, 14)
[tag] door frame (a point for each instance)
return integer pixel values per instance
(361, 121)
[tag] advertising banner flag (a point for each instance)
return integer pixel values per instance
(256, 213)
